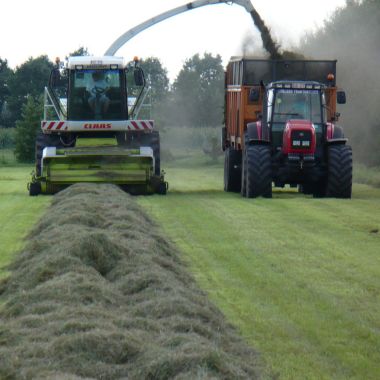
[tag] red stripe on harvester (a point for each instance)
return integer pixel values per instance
(43, 124)
(51, 125)
(60, 125)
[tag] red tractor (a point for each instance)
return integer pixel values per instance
(280, 129)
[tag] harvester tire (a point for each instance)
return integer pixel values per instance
(232, 172)
(34, 188)
(339, 172)
(259, 171)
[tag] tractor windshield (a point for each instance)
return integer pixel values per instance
(297, 104)
(96, 95)
(287, 104)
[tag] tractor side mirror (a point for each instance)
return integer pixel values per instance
(139, 77)
(341, 97)
(254, 95)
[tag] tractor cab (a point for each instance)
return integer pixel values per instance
(295, 103)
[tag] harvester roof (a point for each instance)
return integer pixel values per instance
(96, 62)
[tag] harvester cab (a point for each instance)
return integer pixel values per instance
(285, 132)
(90, 97)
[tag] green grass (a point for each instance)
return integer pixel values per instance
(19, 211)
(7, 157)
(300, 277)
(369, 176)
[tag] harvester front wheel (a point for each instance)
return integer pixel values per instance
(339, 172)
(232, 172)
(259, 171)
(34, 188)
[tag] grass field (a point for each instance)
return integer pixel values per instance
(300, 277)
(19, 212)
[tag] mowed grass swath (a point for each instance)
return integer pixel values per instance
(299, 276)
(102, 294)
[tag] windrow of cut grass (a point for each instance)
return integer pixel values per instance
(98, 292)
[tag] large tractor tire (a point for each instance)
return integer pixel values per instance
(232, 172)
(258, 171)
(339, 171)
(243, 183)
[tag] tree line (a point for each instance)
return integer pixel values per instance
(351, 35)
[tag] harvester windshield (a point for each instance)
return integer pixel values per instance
(97, 94)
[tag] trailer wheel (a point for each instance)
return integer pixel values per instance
(339, 172)
(259, 171)
(232, 171)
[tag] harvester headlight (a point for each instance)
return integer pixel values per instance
(78, 67)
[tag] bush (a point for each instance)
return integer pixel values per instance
(7, 138)
(26, 129)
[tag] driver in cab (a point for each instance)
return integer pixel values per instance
(98, 87)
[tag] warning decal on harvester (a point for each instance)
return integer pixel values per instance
(79, 126)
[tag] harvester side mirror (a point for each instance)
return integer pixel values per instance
(254, 95)
(55, 78)
(341, 97)
(139, 77)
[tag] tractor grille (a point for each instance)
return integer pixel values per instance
(301, 139)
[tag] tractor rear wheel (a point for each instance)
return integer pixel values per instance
(232, 173)
(339, 171)
(259, 171)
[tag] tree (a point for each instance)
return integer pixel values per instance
(157, 79)
(5, 75)
(29, 79)
(351, 35)
(198, 91)
(26, 129)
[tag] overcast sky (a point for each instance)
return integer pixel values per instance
(31, 28)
